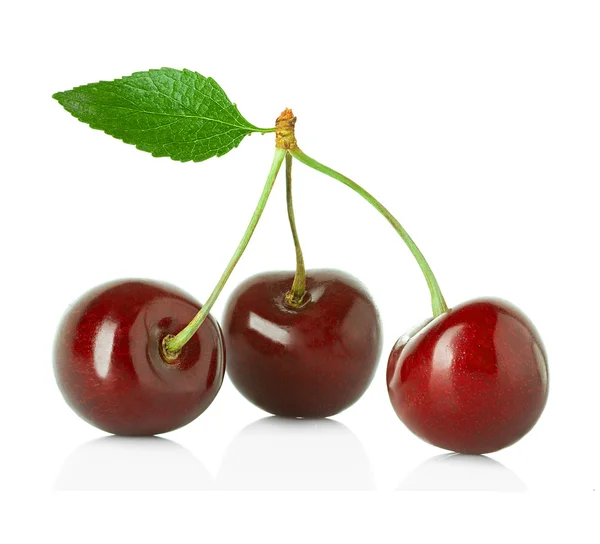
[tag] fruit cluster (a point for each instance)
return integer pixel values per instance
(136, 357)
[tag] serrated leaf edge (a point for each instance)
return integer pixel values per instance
(249, 128)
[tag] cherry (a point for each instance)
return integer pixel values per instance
(141, 358)
(473, 380)
(310, 360)
(109, 363)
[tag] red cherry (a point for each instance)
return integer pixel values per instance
(474, 380)
(108, 362)
(310, 361)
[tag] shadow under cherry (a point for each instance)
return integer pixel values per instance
(116, 463)
(460, 472)
(277, 453)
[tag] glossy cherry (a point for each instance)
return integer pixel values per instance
(474, 380)
(309, 361)
(108, 362)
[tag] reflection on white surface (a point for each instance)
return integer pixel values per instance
(295, 454)
(458, 472)
(118, 463)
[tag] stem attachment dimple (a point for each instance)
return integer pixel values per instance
(172, 345)
(295, 297)
(438, 304)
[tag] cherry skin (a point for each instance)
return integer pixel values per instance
(310, 361)
(474, 380)
(108, 362)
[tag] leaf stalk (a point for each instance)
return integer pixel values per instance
(295, 296)
(438, 304)
(172, 345)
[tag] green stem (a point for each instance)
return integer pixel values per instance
(295, 296)
(438, 304)
(172, 344)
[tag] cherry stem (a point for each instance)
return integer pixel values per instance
(438, 304)
(172, 344)
(295, 296)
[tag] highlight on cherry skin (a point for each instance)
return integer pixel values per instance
(110, 368)
(309, 360)
(474, 380)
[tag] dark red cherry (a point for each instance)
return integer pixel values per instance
(108, 362)
(312, 361)
(474, 380)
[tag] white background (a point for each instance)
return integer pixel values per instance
(476, 123)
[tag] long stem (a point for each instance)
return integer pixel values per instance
(295, 296)
(172, 344)
(438, 304)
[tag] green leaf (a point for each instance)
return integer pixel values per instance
(169, 113)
